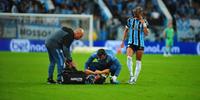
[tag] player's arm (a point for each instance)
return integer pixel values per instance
(173, 33)
(144, 23)
(124, 36)
(68, 57)
(164, 34)
(128, 25)
(146, 31)
(67, 53)
(88, 72)
(66, 50)
(88, 62)
(105, 71)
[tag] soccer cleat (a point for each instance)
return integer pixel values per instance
(59, 82)
(132, 80)
(165, 55)
(51, 81)
(114, 82)
(169, 54)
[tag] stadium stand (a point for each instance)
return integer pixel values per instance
(185, 14)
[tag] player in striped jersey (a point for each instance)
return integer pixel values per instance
(135, 31)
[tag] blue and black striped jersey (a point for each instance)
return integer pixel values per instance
(136, 32)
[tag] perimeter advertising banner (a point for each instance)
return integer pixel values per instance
(159, 47)
(22, 45)
(35, 31)
(25, 45)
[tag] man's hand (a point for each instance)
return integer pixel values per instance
(70, 64)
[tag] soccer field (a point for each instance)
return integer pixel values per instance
(23, 77)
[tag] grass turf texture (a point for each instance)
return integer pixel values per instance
(23, 77)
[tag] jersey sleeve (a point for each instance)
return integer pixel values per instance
(67, 40)
(165, 30)
(110, 62)
(90, 60)
(128, 23)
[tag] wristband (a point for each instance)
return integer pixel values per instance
(144, 25)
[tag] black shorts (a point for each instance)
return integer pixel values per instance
(135, 47)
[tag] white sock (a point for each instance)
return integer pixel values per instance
(130, 65)
(137, 69)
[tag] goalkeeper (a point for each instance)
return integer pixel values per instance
(105, 63)
(168, 35)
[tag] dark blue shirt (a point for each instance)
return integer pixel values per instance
(62, 39)
(104, 64)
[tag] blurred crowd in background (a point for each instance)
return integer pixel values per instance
(185, 13)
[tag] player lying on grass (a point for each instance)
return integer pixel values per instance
(105, 63)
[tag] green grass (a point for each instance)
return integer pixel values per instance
(23, 77)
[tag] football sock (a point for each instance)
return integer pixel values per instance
(137, 69)
(167, 50)
(130, 65)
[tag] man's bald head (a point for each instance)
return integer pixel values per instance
(78, 33)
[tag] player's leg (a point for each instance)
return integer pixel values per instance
(166, 51)
(51, 66)
(130, 52)
(115, 70)
(60, 64)
(170, 47)
(129, 60)
(138, 66)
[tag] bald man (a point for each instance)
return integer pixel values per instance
(58, 45)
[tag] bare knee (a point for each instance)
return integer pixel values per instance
(129, 52)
